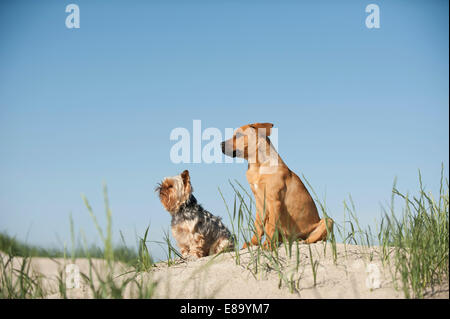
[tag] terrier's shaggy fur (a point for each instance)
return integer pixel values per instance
(198, 233)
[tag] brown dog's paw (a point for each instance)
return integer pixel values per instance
(267, 245)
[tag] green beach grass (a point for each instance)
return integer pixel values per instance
(412, 240)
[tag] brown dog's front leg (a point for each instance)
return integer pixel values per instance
(260, 221)
(272, 223)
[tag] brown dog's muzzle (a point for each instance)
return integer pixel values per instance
(228, 150)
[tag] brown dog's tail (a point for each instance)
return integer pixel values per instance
(321, 231)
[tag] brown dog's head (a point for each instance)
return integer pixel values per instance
(245, 140)
(174, 191)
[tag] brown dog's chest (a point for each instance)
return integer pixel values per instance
(257, 184)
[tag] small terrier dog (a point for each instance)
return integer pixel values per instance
(198, 233)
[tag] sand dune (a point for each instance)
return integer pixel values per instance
(357, 273)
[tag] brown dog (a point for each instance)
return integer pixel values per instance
(282, 201)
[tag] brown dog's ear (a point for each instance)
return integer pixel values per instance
(261, 126)
(185, 176)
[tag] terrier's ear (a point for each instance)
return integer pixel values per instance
(261, 126)
(185, 176)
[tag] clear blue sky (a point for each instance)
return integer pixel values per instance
(355, 107)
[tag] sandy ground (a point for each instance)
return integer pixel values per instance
(357, 273)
